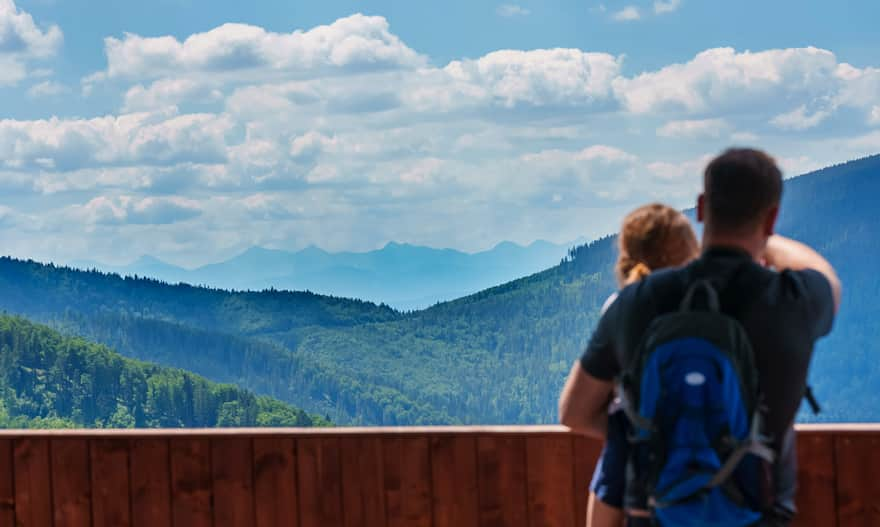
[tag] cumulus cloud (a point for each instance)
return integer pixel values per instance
(46, 89)
(165, 93)
(722, 79)
(20, 35)
(627, 14)
(800, 119)
(122, 210)
(694, 129)
(662, 7)
(511, 10)
(562, 77)
(23, 41)
(874, 118)
(355, 43)
(139, 138)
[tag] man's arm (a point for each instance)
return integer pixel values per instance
(784, 253)
(583, 405)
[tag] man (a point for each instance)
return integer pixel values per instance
(783, 293)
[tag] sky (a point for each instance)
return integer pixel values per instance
(191, 130)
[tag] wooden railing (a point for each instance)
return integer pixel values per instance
(407, 477)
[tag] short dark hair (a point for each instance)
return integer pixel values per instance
(739, 187)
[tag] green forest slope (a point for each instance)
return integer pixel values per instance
(50, 380)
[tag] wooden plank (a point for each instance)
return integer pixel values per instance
(191, 488)
(501, 466)
(33, 483)
(110, 483)
(816, 481)
(858, 486)
(363, 490)
(454, 481)
(232, 467)
(150, 482)
(71, 482)
(586, 454)
(320, 481)
(407, 478)
(275, 482)
(550, 476)
(7, 483)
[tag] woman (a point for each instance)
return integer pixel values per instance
(652, 237)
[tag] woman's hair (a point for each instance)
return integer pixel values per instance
(652, 237)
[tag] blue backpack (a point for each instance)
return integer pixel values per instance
(697, 456)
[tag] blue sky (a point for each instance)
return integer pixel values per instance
(191, 130)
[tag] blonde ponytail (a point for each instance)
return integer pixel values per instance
(639, 271)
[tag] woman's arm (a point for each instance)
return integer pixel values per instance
(583, 405)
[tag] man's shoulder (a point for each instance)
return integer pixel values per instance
(656, 288)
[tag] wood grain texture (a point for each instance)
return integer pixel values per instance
(363, 497)
(501, 465)
(550, 475)
(71, 482)
(232, 471)
(7, 483)
(111, 487)
(454, 480)
(407, 481)
(816, 498)
(191, 485)
(320, 481)
(586, 453)
(150, 475)
(275, 488)
(857, 460)
(33, 483)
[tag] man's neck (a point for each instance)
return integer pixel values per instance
(753, 245)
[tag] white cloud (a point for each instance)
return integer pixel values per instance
(123, 210)
(20, 35)
(46, 89)
(168, 92)
(23, 41)
(627, 14)
(140, 138)
(662, 7)
(562, 77)
(744, 137)
(355, 43)
(874, 118)
(694, 129)
(511, 10)
(800, 119)
(720, 80)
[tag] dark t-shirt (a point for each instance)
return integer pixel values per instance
(783, 313)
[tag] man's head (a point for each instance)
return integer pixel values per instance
(742, 189)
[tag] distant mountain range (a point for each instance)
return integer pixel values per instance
(401, 275)
(496, 356)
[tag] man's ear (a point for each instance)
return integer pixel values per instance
(700, 205)
(770, 221)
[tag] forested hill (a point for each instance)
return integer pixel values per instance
(498, 356)
(49, 380)
(45, 291)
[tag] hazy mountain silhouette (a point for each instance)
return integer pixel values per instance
(402, 275)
